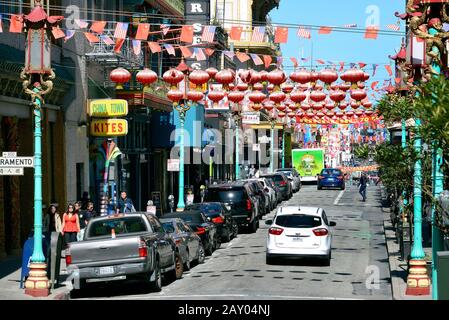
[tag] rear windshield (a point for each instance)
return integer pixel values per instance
(298, 221)
(276, 178)
(332, 172)
(190, 217)
(211, 209)
(124, 225)
(222, 195)
(168, 227)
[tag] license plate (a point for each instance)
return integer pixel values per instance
(106, 270)
(297, 239)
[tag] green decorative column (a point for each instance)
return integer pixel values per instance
(273, 124)
(237, 147)
(404, 146)
(182, 109)
(283, 148)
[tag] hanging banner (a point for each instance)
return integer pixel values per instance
(337, 121)
(251, 118)
(109, 128)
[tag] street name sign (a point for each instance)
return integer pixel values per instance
(109, 128)
(108, 108)
(11, 171)
(16, 162)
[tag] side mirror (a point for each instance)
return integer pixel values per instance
(332, 224)
(269, 222)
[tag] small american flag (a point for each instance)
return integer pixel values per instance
(165, 28)
(258, 34)
(108, 41)
(121, 30)
(304, 33)
(170, 49)
(199, 54)
(256, 59)
(137, 46)
(208, 34)
(353, 25)
(394, 27)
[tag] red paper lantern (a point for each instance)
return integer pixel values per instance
(146, 77)
(256, 97)
(231, 86)
(330, 114)
(258, 86)
(263, 75)
(317, 96)
(306, 106)
(270, 87)
(268, 105)
(242, 86)
(353, 76)
(330, 106)
(359, 113)
(281, 114)
(199, 77)
(225, 77)
(212, 72)
(317, 106)
(175, 96)
(291, 115)
(367, 104)
(366, 76)
(120, 76)
(281, 107)
(358, 94)
(318, 87)
(355, 105)
(337, 96)
(216, 96)
(361, 85)
(302, 76)
(328, 76)
(236, 96)
(369, 112)
(277, 77)
(298, 96)
(173, 77)
(340, 114)
(277, 97)
(345, 87)
(195, 96)
(334, 87)
(287, 88)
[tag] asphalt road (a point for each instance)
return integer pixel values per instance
(359, 267)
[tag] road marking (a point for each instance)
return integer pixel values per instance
(339, 197)
(222, 296)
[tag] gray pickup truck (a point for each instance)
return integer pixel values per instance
(123, 247)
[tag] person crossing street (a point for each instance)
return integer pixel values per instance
(362, 186)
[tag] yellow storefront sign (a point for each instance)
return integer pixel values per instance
(108, 108)
(109, 128)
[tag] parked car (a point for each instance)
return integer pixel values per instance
(123, 247)
(293, 176)
(282, 182)
(331, 178)
(277, 190)
(268, 187)
(241, 200)
(187, 242)
(264, 198)
(299, 232)
(206, 230)
(221, 216)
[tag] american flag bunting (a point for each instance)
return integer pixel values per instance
(208, 34)
(258, 34)
(121, 30)
(304, 33)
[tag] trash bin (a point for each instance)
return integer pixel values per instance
(443, 275)
(404, 239)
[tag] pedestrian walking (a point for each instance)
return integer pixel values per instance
(252, 172)
(51, 222)
(70, 225)
(362, 186)
(84, 218)
(125, 204)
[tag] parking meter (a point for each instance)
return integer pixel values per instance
(202, 192)
(171, 202)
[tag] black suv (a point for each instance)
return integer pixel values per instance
(240, 198)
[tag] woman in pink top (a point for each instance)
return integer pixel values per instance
(70, 224)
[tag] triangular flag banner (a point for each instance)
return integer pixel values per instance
(165, 28)
(1, 27)
(321, 61)
(209, 51)
(170, 49)
(107, 40)
(16, 24)
(267, 60)
(154, 47)
(362, 65)
(137, 46)
(142, 31)
(81, 23)
(374, 84)
(325, 30)
(57, 33)
(243, 57)
(352, 65)
(98, 26)
(281, 35)
(118, 45)
(371, 32)
(256, 59)
(390, 72)
(91, 37)
(295, 62)
(374, 69)
(236, 33)
(229, 54)
(186, 53)
(208, 34)
(398, 80)
(199, 54)
(69, 35)
(187, 34)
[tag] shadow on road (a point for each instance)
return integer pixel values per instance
(304, 262)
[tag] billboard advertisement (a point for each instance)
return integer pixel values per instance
(308, 162)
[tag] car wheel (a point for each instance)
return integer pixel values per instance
(227, 237)
(327, 260)
(156, 285)
(187, 265)
(235, 230)
(201, 255)
(270, 260)
(179, 268)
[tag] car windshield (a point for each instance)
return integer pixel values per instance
(298, 221)
(332, 172)
(223, 195)
(168, 227)
(123, 225)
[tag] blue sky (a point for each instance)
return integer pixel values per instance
(339, 46)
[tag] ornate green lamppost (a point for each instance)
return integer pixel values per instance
(37, 79)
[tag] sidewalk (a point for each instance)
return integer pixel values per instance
(10, 271)
(398, 268)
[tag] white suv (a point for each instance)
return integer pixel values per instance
(299, 232)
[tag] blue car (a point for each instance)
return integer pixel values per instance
(331, 178)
